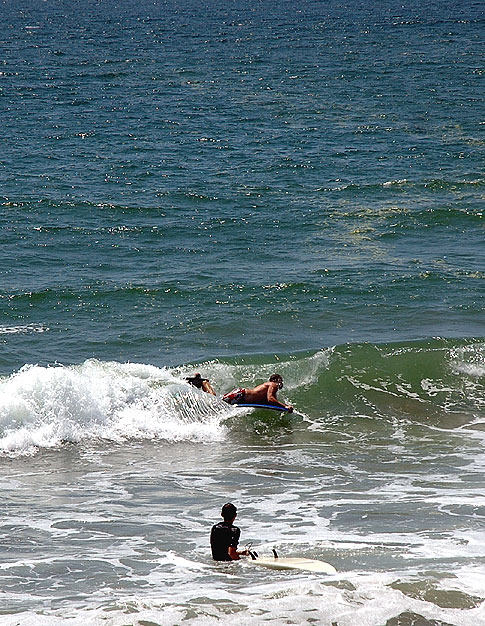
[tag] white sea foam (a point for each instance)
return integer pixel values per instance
(23, 329)
(469, 360)
(365, 600)
(40, 407)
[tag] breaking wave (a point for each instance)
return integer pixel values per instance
(438, 381)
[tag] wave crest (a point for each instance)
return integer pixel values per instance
(42, 407)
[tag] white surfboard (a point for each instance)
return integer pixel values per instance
(307, 565)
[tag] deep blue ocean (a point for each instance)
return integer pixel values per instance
(239, 188)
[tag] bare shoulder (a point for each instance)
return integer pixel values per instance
(262, 387)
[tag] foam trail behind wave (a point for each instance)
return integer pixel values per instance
(41, 407)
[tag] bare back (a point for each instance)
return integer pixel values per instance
(263, 394)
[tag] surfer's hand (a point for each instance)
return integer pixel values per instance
(290, 409)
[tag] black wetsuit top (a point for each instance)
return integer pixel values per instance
(223, 535)
(197, 381)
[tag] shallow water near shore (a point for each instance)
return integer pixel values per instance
(109, 515)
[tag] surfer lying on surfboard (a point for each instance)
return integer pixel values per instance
(262, 394)
(201, 383)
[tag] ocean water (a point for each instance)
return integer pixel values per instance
(242, 188)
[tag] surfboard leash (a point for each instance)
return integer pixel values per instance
(252, 553)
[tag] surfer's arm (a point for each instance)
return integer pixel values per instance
(207, 387)
(236, 554)
(272, 399)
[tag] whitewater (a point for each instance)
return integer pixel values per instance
(124, 465)
(437, 382)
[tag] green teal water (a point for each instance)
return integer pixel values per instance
(169, 171)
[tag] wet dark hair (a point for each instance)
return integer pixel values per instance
(229, 512)
(276, 378)
(196, 380)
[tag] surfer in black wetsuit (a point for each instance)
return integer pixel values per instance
(201, 383)
(225, 536)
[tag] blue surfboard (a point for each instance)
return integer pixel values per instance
(263, 406)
